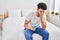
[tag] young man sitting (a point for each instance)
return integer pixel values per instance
(32, 22)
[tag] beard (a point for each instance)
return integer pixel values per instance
(37, 14)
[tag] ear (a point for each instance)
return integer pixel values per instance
(37, 9)
(37, 14)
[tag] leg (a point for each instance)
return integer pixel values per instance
(28, 34)
(43, 33)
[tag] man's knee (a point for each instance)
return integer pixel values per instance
(46, 33)
(27, 34)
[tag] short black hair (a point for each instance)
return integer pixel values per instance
(42, 6)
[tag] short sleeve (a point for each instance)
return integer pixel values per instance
(28, 17)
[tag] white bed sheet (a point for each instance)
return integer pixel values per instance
(13, 29)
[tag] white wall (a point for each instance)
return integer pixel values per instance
(21, 4)
(51, 5)
(57, 2)
(3, 4)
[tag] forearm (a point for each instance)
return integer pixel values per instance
(28, 26)
(43, 23)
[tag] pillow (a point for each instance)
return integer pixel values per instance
(2, 11)
(14, 13)
(25, 12)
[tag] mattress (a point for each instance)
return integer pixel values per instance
(13, 29)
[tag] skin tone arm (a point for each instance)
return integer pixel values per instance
(43, 23)
(40, 14)
(28, 26)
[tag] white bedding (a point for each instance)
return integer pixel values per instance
(13, 29)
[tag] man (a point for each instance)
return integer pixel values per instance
(32, 22)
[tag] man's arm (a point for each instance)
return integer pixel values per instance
(43, 23)
(28, 26)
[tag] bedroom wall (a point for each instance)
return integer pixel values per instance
(57, 2)
(20, 4)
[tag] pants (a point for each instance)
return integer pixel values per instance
(44, 33)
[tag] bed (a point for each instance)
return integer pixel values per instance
(13, 29)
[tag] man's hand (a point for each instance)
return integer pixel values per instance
(43, 23)
(41, 15)
(28, 26)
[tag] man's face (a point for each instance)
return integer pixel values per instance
(40, 11)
